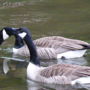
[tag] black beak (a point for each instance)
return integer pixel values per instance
(1, 38)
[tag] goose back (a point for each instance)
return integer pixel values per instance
(58, 41)
(70, 71)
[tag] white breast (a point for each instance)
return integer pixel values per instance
(32, 71)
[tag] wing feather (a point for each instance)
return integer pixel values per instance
(70, 71)
(60, 42)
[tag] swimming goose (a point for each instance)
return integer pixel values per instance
(52, 47)
(55, 74)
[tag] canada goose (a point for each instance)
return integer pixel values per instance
(52, 47)
(55, 74)
(55, 47)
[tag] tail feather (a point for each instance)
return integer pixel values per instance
(86, 46)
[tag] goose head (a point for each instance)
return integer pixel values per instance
(6, 32)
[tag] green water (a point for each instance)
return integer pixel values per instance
(68, 18)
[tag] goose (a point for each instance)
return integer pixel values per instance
(52, 47)
(54, 74)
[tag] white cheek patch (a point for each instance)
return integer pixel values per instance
(5, 35)
(22, 35)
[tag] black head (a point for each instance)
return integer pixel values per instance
(6, 32)
(22, 32)
(10, 31)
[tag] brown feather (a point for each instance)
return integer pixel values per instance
(57, 41)
(70, 71)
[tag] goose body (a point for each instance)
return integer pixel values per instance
(55, 47)
(55, 74)
(52, 47)
(59, 74)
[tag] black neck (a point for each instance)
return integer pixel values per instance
(32, 49)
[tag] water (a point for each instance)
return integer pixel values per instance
(44, 18)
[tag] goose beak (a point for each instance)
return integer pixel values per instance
(1, 38)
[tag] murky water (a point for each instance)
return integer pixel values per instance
(68, 18)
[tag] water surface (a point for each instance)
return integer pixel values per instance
(44, 18)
